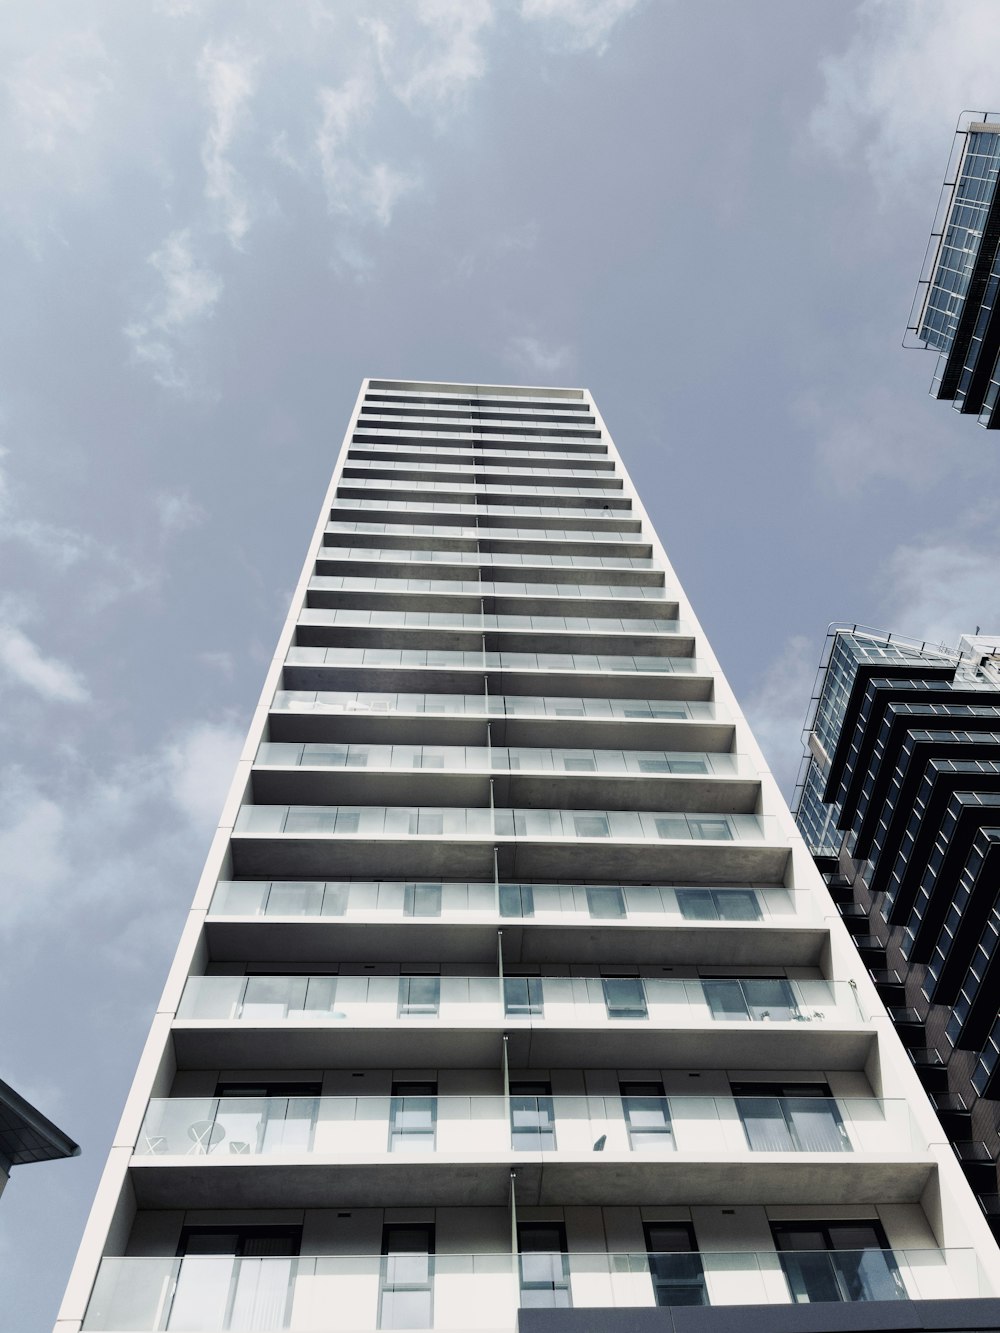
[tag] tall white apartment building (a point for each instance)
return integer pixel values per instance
(510, 997)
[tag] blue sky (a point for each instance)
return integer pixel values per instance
(218, 217)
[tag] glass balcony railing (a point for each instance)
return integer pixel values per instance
(502, 759)
(444, 434)
(473, 421)
(480, 622)
(428, 506)
(452, 821)
(496, 705)
(380, 1001)
(552, 487)
(554, 904)
(489, 661)
(482, 1292)
(359, 467)
(477, 1127)
(479, 559)
(486, 453)
(474, 588)
(483, 532)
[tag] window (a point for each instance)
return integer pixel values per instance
(579, 764)
(654, 766)
(718, 904)
(241, 1241)
(266, 1117)
(716, 829)
(591, 826)
(751, 998)
(674, 1264)
(544, 1265)
(406, 1299)
(672, 826)
(419, 996)
(647, 1115)
(217, 1288)
(413, 1117)
(790, 1117)
(689, 764)
(625, 997)
(522, 997)
(516, 900)
(606, 903)
(294, 899)
(837, 1261)
(334, 899)
(421, 899)
(532, 1117)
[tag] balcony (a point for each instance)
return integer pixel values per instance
(339, 715)
(458, 922)
(334, 552)
(459, 1151)
(674, 677)
(468, 490)
(543, 535)
(568, 1021)
(482, 1292)
(478, 631)
(525, 776)
(329, 841)
(532, 517)
(563, 593)
(514, 717)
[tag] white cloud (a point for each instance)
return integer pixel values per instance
(189, 294)
(32, 827)
(24, 663)
(59, 547)
(579, 25)
(176, 512)
(126, 839)
(355, 187)
(58, 105)
(940, 590)
(383, 188)
(893, 96)
(533, 354)
(199, 767)
(776, 708)
(219, 660)
(882, 433)
(490, 250)
(54, 95)
(437, 72)
(229, 81)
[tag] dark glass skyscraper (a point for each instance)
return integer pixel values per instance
(900, 805)
(956, 311)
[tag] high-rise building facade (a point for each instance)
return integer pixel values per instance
(900, 805)
(956, 312)
(510, 992)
